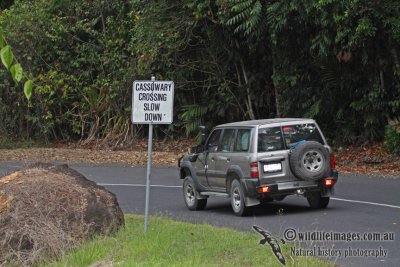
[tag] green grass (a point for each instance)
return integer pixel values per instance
(173, 243)
(11, 143)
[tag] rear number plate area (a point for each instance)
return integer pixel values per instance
(273, 167)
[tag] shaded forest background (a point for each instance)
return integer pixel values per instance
(336, 61)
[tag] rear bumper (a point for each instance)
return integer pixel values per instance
(253, 186)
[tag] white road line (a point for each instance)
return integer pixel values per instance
(179, 186)
(365, 202)
(143, 185)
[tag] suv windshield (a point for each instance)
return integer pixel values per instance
(271, 139)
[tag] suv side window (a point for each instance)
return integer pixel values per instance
(213, 141)
(228, 139)
(242, 140)
(270, 139)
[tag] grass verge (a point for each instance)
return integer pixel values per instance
(11, 143)
(173, 243)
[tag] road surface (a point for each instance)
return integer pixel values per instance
(362, 206)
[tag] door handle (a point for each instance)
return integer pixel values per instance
(224, 158)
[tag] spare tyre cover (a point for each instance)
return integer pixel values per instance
(309, 160)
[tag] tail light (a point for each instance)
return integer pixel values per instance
(263, 189)
(329, 182)
(332, 159)
(254, 170)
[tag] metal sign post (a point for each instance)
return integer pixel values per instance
(149, 151)
(148, 175)
(152, 103)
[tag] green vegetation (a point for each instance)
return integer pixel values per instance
(16, 71)
(333, 60)
(12, 143)
(172, 243)
(392, 139)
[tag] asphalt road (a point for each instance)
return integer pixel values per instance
(361, 205)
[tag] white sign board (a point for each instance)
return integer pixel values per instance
(152, 102)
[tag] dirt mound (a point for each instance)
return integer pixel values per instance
(46, 210)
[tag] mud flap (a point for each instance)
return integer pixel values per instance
(251, 201)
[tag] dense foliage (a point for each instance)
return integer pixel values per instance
(392, 139)
(333, 60)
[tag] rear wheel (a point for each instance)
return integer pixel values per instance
(237, 199)
(190, 195)
(316, 201)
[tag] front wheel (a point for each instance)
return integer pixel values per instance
(237, 199)
(190, 195)
(316, 201)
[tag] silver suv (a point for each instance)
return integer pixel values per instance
(252, 162)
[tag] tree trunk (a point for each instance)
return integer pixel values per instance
(249, 103)
(396, 60)
(276, 91)
(278, 113)
(381, 77)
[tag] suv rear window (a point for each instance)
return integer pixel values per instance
(301, 132)
(271, 139)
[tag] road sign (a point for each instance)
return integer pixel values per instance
(152, 102)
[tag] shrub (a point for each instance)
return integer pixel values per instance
(392, 139)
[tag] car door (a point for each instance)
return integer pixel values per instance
(222, 159)
(205, 163)
(273, 155)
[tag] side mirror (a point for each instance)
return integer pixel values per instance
(203, 134)
(197, 149)
(193, 158)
